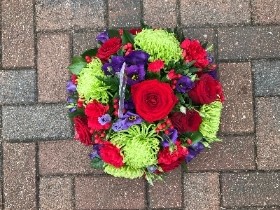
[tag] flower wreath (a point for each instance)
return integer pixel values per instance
(146, 99)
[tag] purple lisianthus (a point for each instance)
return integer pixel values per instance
(71, 87)
(171, 137)
(70, 100)
(213, 74)
(135, 74)
(95, 151)
(119, 125)
(102, 37)
(72, 109)
(137, 57)
(116, 63)
(210, 58)
(126, 121)
(107, 69)
(194, 150)
(104, 119)
(184, 84)
(128, 105)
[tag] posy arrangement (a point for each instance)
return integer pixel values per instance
(146, 100)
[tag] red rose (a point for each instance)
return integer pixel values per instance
(188, 122)
(108, 48)
(206, 90)
(168, 160)
(193, 51)
(82, 133)
(93, 111)
(156, 66)
(153, 99)
(111, 154)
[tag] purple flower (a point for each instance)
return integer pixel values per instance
(102, 37)
(210, 58)
(128, 105)
(135, 74)
(104, 119)
(116, 63)
(184, 84)
(170, 138)
(152, 168)
(71, 87)
(194, 150)
(213, 74)
(136, 57)
(70, 100)
(126, 121)
(107, 68)
(72, 109)
(119, 125)
(95, 151)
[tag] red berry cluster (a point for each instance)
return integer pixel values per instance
(88, 58)
(128, 48)
(164, 126)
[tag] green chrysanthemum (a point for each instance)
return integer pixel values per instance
(139, 145)
(125, 171)
(159, 44)
(211, 114)
(89, 86)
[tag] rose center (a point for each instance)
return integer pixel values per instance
(152, 100)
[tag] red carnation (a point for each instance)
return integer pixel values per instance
(206, 90)
(93, 111)
(111, 154)
(156, 66)
(193, 51)
(168, 160)
(188, 122)
(82, 133)
(108, 48)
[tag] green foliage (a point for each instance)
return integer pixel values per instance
(127, 37)
(90, 52)
(97, 163)
(113, 33)
(78, 112)
(78, 63)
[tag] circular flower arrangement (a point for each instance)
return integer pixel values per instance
(146, 100)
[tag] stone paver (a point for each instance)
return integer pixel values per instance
(268, 133)
(215, 12)
(237, 115)
(267, 77)
(202, 34)
(109, 193)
(233, 153)
(167, 193)
(38, 121)
(83, 41)
(249, 42)
(17, 33)
(265, 12)
(201, 191)
(70, 157)
(53, 58)
(246, 189)
(17, 86)
(19, 176)
(124, 13)
(55, 193)
(160, 15)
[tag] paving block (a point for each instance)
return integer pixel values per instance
(17, 33)
(53, 59)
(237, 115)
(109, 193)
(250, 189)
(56, 193)
(19, 176)
(268, 133)
(71, 158)
(160, 15)
(167, 193)
(267, 77)
(83, 41)
(17, 86)
(201, 191)
(202, 34)
(233, 153)
(47, 121)
(215, 12)
(266, 12)
(249, 42)
(125, 13)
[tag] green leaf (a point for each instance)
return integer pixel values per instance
(78, 63)
(193, 70)
(127, 37)
(196, 136)
(90, 52)
(113, 33)
(97, 163)
(78, 112)
(204, 45)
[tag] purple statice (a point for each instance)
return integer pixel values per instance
(184, 84)
(71, 87)
(137, 57)
(135, 74)
(170, 138)
(116, 63)
(194, 150)
(126, 121)
(104, 119)
(72, 109)
(70, 100)
(102, 37)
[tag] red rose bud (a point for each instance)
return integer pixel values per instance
(155, 66)
(80, 103)
(172, 75)
(111, 154)
(108, 48)
(188, 122)
(88, 59)
(82, 131)
(206, 90)
(135, 31)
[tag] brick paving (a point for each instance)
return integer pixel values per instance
(43, 168)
